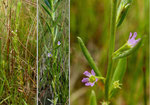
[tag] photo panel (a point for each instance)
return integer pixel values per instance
(18, 47)
(53, 52)
(109, 52)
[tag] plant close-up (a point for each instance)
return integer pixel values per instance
(121, 49)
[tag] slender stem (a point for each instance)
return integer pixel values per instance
(111, 47)
(53, 19)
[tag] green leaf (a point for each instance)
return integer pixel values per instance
(24, 102)
(124, 51)
(88, 57)
(46, 9)
(93, 98)
(48, 3)
(48, 27)
(118, 74)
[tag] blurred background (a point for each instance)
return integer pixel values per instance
(90, 19)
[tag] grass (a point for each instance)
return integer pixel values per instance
(53, 70)
(18, 52)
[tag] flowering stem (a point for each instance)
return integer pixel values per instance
(111, 46)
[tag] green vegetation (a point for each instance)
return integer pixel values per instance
(18, 52)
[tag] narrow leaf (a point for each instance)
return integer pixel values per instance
(49, 27)
(93, 98)
(45, 8)
(88, 57)
(48, 3)
(24, 102)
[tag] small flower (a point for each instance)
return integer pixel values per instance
(116, 84)
(105, 103)
(59, 43)
(50, 54)
(90, 81)
(131, 41)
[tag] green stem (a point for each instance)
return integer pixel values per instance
(111, 47)
(52, 22)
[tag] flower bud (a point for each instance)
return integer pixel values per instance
(116, 85)
(122, 11)
(105, 103)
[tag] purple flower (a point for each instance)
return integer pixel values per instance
(131, 41)
(50, 54)
(58, 43)
(90, 81)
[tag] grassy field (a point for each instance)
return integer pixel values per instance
(53, 52)
(18, 52)
(90, 20)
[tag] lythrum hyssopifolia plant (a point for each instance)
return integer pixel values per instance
(114, 76)
(53, 52)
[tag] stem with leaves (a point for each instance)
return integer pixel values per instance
(111, 46)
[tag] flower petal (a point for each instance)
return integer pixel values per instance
(96, 80)
(92, 72)
(49, 54)
(88, 84)
(138, 40)
(58, 43)
(87, 73)
(134, 36)
(92, 84)
(85, 80)
(130, 35)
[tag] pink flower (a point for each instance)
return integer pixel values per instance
(90, 81)
(59, 43)
(49, 55)
(131, 41)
